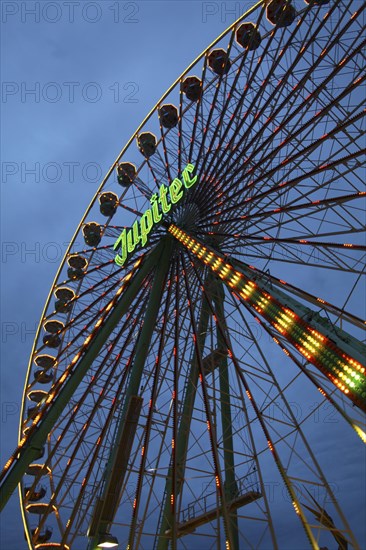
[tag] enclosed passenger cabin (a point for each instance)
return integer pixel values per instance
(53, 326)
(42, 536)
(168, 115)
(34, 495)
(219, 62)
(108, 203)
(92, 233)
(37, 395)
(126, 173)
(52, 340)
(45, 361)
(43, 377)
(146, 143)
(64, 297)
(192, 87)
(77, 266)
(248, 36)
(281, 13)
(38, 470)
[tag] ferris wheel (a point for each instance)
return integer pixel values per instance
(218, 288)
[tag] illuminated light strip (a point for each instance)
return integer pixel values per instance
(360, 432)
(97, 443)
(68, 369)
(344, 371)
(52, 545)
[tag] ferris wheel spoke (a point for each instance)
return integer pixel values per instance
(238, 118)
(166, 520)
(318, 379)
(106, 514)
(286, 185)
(287, 209)
(293, 427)
(300, 254)
(40, 409)
(174, 459)
(227, 98)
(159, 167)
(86, 328)
(96, 377)
(164, 136)
(230, 526)
(247, 288)
(194, 134)
(295, 261)
(325, 111)
(147, 430)
(320, 87)
(250, 237)
(207, 121)
(276, 56)
(96, 457)
(277, 214)
(311, 172)
(30, 445)
(77, 302)
(271, 442)
(317, 211)
(233, 174)
(225, 343)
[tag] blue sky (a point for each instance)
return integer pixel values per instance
(75, 85)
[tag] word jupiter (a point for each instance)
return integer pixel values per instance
(161, 204)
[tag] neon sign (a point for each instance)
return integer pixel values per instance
(161, 203)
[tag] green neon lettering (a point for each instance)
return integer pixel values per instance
(175, 191)
(188, 181)
(160, 205)
(133, 237)
(165, 206)
(155, 208)
(146, 225)
(121, 242)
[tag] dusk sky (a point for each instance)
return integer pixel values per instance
(76, 82)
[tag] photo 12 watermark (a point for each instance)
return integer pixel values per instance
(225, 12)
(68, 92)
(30, 12)
(14, 332)
(36, 252)
(70, 171)
(9, 409)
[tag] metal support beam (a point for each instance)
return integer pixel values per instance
(338, 355)
(231, 489)
(344, 340)
(183, 433)
(105, 508)
(189, 526)
(24, 455)
(107, 511)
